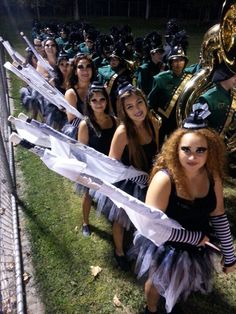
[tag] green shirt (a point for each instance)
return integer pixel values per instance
(145, 75)
(219, 102)
(163, 87)
(105, 73)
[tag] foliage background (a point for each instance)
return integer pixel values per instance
(181, 9)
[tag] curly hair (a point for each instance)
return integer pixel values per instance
(136, 154)
(169, 156)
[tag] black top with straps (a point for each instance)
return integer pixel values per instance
(80, 103)
(101, 139)
(192, 214)
(150, 151)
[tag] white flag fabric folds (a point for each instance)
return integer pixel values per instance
(149, 221)
(13, 53)
(36, 81)
(40, 59)
(95, 163)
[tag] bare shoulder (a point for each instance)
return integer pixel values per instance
(159, 191)
(83, 124)
(161, 177)
(71, 97)
(121, 131)
(83, 135)
(118, 143)
(120, 136)
(69, 92)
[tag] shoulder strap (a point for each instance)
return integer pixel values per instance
(113, 120)
(91, 126)
(112, 80)
(75, 90)
(156, 122)
(166, 113)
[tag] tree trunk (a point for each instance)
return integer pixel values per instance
(128, 13)
(76, 11)
(86, 8)
(109, 8)
(168, 11)
(147, 9)
(37, 10)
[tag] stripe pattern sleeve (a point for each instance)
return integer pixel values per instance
(186, 236)
(221, 227)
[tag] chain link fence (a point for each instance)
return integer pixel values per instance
(11, 284)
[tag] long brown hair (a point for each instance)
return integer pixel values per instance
(73, 80)
(136, 153)
(169, 156)
(88, 111)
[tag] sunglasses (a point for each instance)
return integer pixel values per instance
(37, 45)
(199, 151)
(81, 67)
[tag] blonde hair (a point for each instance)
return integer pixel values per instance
(169, 156)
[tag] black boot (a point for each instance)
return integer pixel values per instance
(122, 262)
(177, 310)
(146, 311)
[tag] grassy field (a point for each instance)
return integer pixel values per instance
(62, 257)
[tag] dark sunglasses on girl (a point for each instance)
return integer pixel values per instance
(81, 67)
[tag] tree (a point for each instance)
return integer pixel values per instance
(76, 10)
(147, 9)
(128, 12)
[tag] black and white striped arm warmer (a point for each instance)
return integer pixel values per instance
(186, 236)
(221, 227)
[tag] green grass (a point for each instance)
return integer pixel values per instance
(62, 257)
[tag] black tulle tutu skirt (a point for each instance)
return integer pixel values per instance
(175, 269)
(111, 211)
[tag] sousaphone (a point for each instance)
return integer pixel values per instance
(218, 45)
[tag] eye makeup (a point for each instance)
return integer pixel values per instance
(199, 150)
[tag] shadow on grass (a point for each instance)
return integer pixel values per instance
(71, 264)
(213, 303)
(102, 234)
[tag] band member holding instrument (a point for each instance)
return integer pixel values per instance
(166, 88)
(221, 100)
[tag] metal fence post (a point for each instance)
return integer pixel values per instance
(11, 280)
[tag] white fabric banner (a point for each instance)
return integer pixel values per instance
(149, 221)
(97, 164)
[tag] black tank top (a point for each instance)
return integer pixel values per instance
(150, 151)
(101, 139)
(80, 103)
(192, 214)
